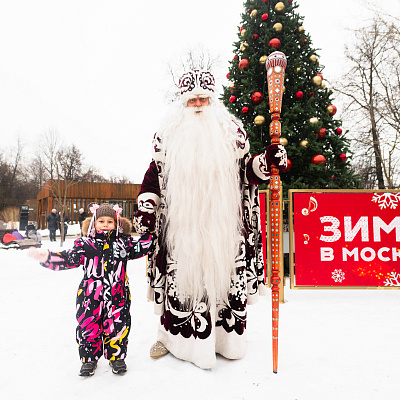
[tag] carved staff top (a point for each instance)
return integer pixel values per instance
(275, 65)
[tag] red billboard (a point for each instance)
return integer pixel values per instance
(347, 239)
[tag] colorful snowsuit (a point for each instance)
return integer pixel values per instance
(103, 298)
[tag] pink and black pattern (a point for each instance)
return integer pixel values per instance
(103, 298)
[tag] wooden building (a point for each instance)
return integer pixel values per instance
(81, 195)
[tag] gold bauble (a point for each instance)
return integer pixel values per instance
(283, 141)
(329, 109)
(323, 85)
(278, 27)
(304, 143)
(314, 120)
(313, 58)
(298, 69)
(300, 28)
(232, 85)
(283, 89)
(244, 46)
(263, 59)
(316, 80)
(243, 32)
(253, 13)
(259, 120)
(279, 6)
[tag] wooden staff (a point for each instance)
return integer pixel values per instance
(276, 66)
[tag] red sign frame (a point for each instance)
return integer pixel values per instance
(346, 238)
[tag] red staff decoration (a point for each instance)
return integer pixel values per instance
(276, 66)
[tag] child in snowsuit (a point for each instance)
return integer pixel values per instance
(103, 298)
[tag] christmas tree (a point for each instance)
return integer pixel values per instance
(317, 150)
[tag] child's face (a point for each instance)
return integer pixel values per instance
(104, 224)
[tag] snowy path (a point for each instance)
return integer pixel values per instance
(337, 345)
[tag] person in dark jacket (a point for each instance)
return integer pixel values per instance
(103, 301)
(52, 224)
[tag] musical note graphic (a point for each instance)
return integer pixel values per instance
(306, 238)
(312, 206)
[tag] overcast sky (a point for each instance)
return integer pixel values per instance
(95, 70)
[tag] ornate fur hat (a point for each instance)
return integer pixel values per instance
(196, 83)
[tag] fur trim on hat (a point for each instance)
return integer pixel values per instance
(126, 226)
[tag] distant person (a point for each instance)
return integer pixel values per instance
(32, 233)
(103, 302)
(82, 216)
(52, 224)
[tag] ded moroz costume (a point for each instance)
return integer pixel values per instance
(200, 195)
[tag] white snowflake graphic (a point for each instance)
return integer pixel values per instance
(393, 279)
(338, 275)
(385, 200)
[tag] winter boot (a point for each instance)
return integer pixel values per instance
(88, 368)
(158, 350)
(118, 366)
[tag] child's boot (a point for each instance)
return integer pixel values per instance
(118, 366)
(88, 368)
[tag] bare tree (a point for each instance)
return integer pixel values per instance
(14, 186)
(371, 88)
(49, 144)
(70, 160)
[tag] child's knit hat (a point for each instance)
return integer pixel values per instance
(106, 210)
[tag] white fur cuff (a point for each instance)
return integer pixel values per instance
(260, 167)
(148, 202)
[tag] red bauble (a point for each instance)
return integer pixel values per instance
(228, 75)
(289, 165)
(304, 42)
(299, 95)
(338, 131)
(318, 159)
(241, 28)
(290, 1)
(235, 57)
(311, 94)
(334, 109)
(245, 110)
(274, 43)
(255, 36)
(321, 133)
(232, 99)
(265, 1)
(264, 17)
(257, 98)
(342, 157)
(321, 76)
(243, 64)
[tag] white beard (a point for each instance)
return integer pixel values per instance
(203, 198)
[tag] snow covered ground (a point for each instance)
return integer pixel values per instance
(333, 344)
